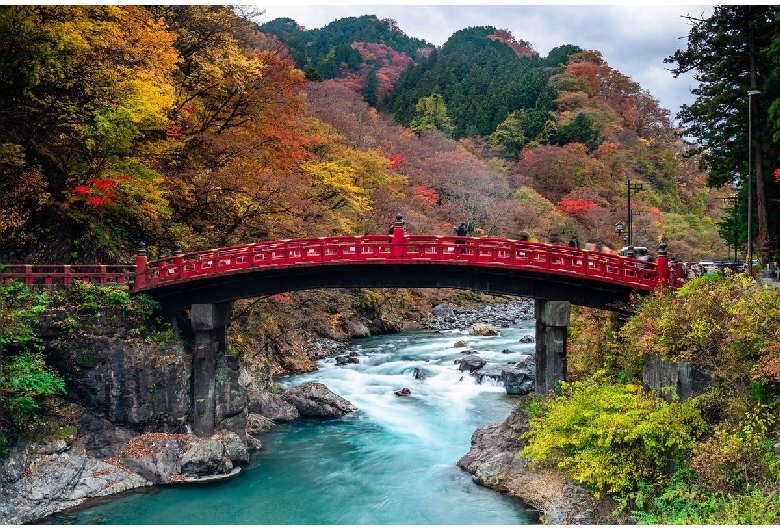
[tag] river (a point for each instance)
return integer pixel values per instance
(391, 462)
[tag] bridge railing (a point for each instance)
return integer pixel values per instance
(482, 251)
(68, 274)
(453, 250)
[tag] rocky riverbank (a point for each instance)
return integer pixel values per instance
(494, 462)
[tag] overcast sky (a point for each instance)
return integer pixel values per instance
(633, 40)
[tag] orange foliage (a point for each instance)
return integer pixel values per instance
(426, 195)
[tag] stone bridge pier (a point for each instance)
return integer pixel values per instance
(210, 324)
(552, 321)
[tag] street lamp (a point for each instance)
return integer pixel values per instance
(619, 227)
(631, 187)
(750, 94)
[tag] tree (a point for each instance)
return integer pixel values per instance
(729, 51)
(431, 113)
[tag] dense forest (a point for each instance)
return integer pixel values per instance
(194, 125)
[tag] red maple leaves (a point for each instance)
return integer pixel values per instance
(99, 191)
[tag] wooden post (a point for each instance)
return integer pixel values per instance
(662, 265)
(398, 248)
(140, 266)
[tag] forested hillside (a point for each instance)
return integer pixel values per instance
(216, 137)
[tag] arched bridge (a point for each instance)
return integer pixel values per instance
(206, 282)
(535, 270)
(502, 266)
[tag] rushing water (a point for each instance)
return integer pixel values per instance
(391, 462)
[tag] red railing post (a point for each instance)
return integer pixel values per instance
(28, 279)
(66, 279)
(662, 265)
(398, 246)
(140, 266)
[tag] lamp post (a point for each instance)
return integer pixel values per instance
(750, 94)
(733, 202)
(631, 187)
(619, 227)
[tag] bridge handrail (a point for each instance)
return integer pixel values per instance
(412, 248)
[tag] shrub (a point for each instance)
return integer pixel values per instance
(612, 437)
(25, 380)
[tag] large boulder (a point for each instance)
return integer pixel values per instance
(259, 424)
(205, 457)
(481, 329)
(155, 458)
(40, 479)
(517, 380)
(235, 448)
(443, 311)
(471, 363)
(494, 461)
(315, 400)
(272, 406)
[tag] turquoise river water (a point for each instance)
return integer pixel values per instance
(391, 462)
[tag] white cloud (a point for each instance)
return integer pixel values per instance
(632, 39)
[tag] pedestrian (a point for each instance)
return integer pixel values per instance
(574, 242)
(470, 228)
(524, 236)
(460, 231)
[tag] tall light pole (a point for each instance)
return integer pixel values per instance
(750, 94)
(631, 187)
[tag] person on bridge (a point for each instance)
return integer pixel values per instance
(461, 230)
(524, 236)
(574, 242)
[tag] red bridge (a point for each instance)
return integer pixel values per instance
(521, 268)
(206, 283)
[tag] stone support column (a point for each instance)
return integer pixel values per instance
(210, 323)
(552, 320)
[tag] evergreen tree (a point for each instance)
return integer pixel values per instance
(431, 113)
(730, 53)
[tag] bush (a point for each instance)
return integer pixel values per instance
(612, 437)
(25, 380)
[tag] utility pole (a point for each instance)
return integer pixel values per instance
(631, 187)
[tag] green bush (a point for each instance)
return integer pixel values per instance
(612, 437)
(25, 380)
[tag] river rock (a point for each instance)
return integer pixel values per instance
(420, 374)
(494, 462)
(315, 400)
(205, 457)
(501, 315)
(156, 460)
(259, 424)
(471, 363)
(517, 380)
(272, 406)
(443, 311)
(481, 329)
(460, 344)
(235, 448)
(527, 339)
(37, 480)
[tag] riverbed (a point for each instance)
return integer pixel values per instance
(391, 462)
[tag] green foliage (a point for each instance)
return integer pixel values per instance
(25, 380)
(612, 437)
(431, 114)
(683, 503)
